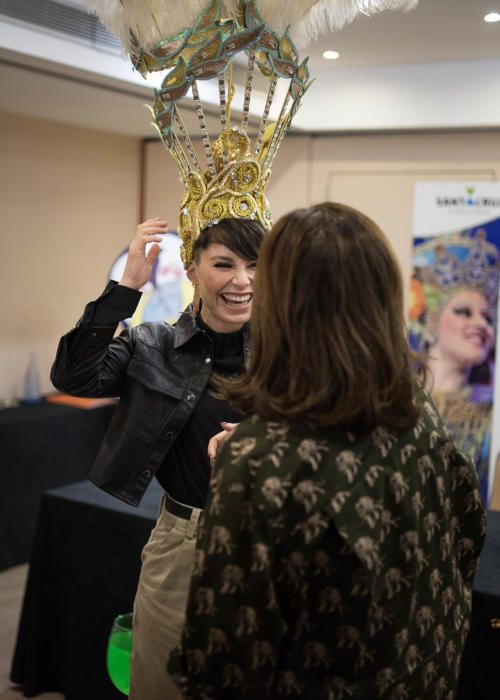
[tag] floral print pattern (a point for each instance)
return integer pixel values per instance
(333, 566)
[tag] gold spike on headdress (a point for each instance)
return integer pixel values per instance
(233, 181)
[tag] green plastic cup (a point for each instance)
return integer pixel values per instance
(119, 652)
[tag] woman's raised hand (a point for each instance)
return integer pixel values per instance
(139, 264)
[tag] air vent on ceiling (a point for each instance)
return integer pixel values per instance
(61, 18)
(82, 26)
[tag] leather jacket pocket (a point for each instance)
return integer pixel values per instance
(160, 379)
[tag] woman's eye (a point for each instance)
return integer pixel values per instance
(223, 265)
(462, 311)
(488, 318)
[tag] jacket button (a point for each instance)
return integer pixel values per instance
(190, 396)
(170, 436)
(147, 473)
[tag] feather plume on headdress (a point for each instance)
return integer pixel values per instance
(151, 20)
(198, 41)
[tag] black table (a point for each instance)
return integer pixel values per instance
(84, 572)
(41, 447)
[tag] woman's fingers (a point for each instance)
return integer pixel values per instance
(152, 226)
(215, 444)
(153, 222)
(147, 234)
(217, 441)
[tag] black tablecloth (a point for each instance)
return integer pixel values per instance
(41, 447)
(84, 572)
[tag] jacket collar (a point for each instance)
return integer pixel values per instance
(186, 328)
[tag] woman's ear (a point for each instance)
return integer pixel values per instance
(191, 274)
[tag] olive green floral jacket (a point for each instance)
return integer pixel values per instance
(333, 565)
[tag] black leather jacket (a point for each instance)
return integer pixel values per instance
(159, 371)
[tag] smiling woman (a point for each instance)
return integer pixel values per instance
(222, 274)
(167, 413)
(453, 310)
(465, 337)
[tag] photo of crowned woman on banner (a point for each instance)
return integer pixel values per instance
(453, 323)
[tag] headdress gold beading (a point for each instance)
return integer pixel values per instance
(233, 182)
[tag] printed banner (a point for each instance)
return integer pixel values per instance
(454, 311)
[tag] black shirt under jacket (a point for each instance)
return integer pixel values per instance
(185, 472)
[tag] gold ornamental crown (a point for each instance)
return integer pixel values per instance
(233, 181)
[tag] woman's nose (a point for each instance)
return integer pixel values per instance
(241, 277)
(479, 320)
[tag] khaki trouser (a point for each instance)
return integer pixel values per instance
(160, 604)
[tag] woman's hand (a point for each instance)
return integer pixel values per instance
(139, 265)
(215, 444)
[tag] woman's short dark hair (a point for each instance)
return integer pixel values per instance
(241, 236)
(329, 344)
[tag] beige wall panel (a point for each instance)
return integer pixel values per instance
(162, 188)
(291, 177)
(68, 205)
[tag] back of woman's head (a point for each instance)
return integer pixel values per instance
(328, 337)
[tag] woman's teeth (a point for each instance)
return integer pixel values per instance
(236, 298)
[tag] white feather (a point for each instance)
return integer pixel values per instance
(152, 20)
(149, 20)
(311, 18)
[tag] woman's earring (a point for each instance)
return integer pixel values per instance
(428, 342)
(196, 299)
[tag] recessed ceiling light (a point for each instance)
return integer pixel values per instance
(331, 55)
(492, 17)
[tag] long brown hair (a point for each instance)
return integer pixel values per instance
(328, 339)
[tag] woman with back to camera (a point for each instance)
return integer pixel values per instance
(343, 527)
(167, 412)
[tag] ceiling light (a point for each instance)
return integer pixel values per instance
(492, 17)
(331, 55)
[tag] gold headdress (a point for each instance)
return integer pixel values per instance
(197, 41)
(443, 266)
(457, 261)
